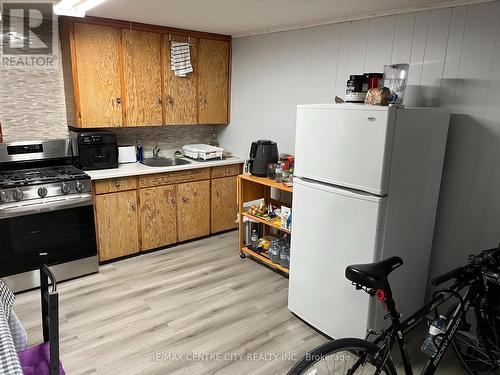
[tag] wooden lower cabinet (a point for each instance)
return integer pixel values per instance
(224, 204)
(193, 210)
(116, 215)
(158, 216)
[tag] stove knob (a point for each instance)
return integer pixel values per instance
(3, 196)
(42, 192)
(65, 188)
(18, 194)
(80, 186)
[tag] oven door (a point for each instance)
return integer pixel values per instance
(98, 156)
(63, 228)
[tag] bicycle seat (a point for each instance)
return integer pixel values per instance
(373, 275)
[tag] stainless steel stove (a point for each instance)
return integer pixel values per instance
(45, 206)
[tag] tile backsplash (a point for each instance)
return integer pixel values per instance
(167, 137)
(33, 106)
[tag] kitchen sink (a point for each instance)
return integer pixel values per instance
(164, 162)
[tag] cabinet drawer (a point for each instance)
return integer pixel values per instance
(226, 170)
(174, 177)
(115, 185)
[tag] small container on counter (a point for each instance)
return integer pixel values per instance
(139, 151)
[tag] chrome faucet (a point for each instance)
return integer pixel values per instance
(156, 152)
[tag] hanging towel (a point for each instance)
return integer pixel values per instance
(180, 60)
(9, 360)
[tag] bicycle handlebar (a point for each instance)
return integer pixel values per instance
(488, 258)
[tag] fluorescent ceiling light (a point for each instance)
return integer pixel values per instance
(75, 8)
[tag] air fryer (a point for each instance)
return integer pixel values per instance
(262, 153)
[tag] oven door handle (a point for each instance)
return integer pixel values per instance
(82, 200)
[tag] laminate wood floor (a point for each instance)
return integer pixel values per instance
(196, 308)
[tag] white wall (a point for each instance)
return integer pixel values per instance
(455, 62)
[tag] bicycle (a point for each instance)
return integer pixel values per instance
(474, 337)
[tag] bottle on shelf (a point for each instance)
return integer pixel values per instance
(432, 340)
(254, 240)
(278, 174)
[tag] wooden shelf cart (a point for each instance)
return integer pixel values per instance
(252, 188)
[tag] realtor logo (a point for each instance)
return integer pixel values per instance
(27, 31)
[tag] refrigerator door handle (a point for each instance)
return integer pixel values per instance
(357, 194)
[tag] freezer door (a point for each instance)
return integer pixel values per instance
(346, 147)
(332, 228)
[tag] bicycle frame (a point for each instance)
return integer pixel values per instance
(396, 332)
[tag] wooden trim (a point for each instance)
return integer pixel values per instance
(162, 77)
(144, 27)
(139, 227)
(96, 224)
(197, 82)
(241, 227)
(266, 182)
(74, 74)
(229, 69)
(122, 81)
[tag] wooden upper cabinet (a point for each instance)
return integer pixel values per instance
(213, 81)
(116, 76)
(97, 75)
(142, 78)
(179, 93)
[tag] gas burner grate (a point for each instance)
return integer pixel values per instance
(35, 176)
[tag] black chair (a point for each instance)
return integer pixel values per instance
(44, 358)
(50, 312)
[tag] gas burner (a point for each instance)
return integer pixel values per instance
(37, 176)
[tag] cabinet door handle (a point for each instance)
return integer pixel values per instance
(158, 101)
(227, 171)
(118, 184)
(371, 118)
(173, 200)
(185, 200)
(118, 100)
(170, 100)
(133, 206)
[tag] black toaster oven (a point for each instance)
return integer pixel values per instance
(95, 150)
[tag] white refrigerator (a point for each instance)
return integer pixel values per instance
(367, 187)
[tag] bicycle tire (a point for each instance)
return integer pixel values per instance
(351, 345)
(465, 348)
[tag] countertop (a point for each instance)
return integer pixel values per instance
(136, 169)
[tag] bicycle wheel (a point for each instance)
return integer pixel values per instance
(340, 357)
(470, 346)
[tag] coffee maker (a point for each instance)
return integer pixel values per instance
(262, 153)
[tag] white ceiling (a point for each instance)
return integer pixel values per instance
(246, 17)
